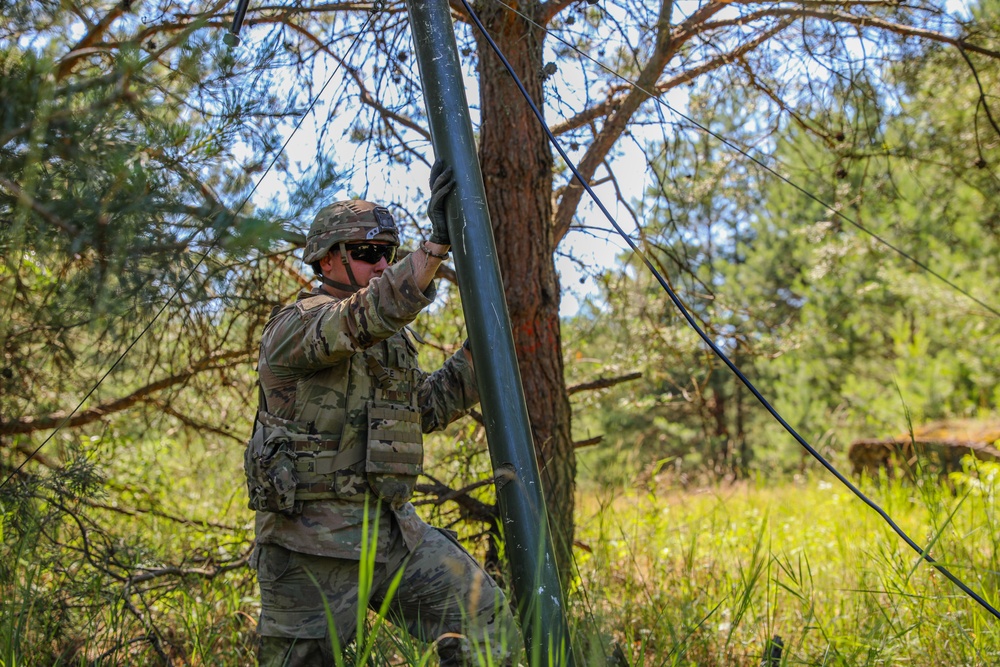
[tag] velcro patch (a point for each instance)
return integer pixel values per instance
(313, 302)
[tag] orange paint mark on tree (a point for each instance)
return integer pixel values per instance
(527, 337)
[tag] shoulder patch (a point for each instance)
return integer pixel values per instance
(313, 302)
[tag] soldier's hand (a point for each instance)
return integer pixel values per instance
(442, 183)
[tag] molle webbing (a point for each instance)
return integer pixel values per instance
(395, 441)
(317, 456)
(389, 412)
(315, 491)
(317, 471)
(379, 372)
(414, 457)
(327, 462)
(395, 385)
(406, 436)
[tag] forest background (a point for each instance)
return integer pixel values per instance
(772, 159)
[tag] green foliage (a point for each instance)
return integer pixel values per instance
(706, 576)
(837, 329)
(139, 561)
(122, 201)
(103, 175)
(127, 148)
(711, 577)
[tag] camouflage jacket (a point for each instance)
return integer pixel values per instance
(313, 372)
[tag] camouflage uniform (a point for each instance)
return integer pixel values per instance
(336, 377)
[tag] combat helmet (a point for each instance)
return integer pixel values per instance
(354, 220)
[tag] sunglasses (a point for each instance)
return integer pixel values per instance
(371, 253)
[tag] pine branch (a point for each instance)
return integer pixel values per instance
(27, 200)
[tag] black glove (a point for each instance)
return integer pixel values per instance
(442, 183)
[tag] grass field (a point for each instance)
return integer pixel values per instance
(664, 576)
(707, 577)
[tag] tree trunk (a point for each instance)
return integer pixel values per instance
(517, 170)
(717, 408)
(742, 447)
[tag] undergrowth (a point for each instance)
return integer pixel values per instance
(713, 576)
(122, 573)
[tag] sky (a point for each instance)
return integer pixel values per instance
(380, 181)
(377, 180)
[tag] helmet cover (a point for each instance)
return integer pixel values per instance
(349, 221)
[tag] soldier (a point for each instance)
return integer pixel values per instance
(337, 447)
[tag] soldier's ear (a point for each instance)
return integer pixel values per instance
(327, 262)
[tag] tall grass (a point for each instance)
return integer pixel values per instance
(664, 576)
(709, 577)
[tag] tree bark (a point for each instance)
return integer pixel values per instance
(519, 192)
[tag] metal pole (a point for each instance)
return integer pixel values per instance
(522, 506)
(232, 38)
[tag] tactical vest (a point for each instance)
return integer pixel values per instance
(356, 426)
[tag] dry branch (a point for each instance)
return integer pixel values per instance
(602, 383)
(142, 395)
(178, 571)
(589, 442)
(135, 511)
(666, 44)
(469, 506)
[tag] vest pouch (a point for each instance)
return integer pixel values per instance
(269, 464)
(395, 451)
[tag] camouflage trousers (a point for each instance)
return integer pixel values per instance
(443, 596)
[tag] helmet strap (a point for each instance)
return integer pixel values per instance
(340, 286)
(354, 286)
(347, 265)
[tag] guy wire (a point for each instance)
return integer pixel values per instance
(836, 212)
(922, 552)
(201, 260)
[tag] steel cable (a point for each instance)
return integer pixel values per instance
(836, 212)
(708, 340)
